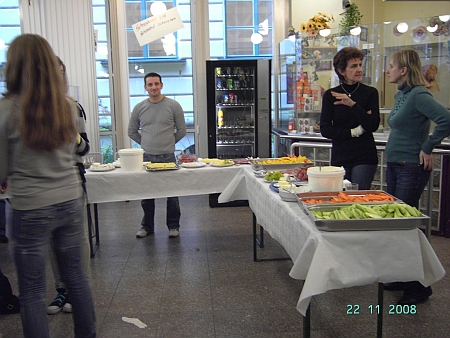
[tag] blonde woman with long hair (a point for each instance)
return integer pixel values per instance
(410, 145)
(38, 140)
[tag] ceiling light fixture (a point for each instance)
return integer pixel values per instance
(402, 27)
(256, 38)
(325, 32)
(157, 7)
(355, 31)
(444, 18)
(432, 29)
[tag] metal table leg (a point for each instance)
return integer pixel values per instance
(380, 311)
(93, 229)
(307, 323)
(260, 242)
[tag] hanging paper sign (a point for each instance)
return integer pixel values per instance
(157, 26)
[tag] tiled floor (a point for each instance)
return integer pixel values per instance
(205, 284)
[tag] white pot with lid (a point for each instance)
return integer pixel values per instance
(131, 159)
(327, 178)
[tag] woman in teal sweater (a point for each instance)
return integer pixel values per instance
(409, 147)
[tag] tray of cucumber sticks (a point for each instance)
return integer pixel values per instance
(360, 216)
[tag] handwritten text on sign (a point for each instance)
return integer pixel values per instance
(157, 26)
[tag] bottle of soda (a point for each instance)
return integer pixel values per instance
(220, 118)
(291, 124)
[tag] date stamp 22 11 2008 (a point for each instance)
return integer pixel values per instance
(356, 309)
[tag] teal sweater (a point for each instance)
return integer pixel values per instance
(410, 122)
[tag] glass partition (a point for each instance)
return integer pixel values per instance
(306, 69)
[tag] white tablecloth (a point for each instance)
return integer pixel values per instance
(334, 260)
(119, 185)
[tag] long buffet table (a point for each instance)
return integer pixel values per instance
(324, 260)
(335, 260)
(120, 185)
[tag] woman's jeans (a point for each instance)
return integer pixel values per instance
(173, 205)
(33, 230)
(406, 181)
(85, 252)
(361, 174)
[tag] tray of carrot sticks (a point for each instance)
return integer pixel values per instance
(308, 199)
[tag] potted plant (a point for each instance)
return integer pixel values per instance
(351, 18)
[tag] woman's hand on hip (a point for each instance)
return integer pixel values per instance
(426, 160)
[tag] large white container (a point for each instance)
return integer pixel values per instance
(131, 159)
(325, 178)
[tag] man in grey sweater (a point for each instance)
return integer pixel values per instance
(162, 125)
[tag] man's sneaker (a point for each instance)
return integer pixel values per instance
(57, 304)
(142, 233)
(67, 308)
(173, 233)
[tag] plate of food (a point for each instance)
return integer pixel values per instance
(240, 161)
(102, 167)
(206, 160)
(151, 166)
(193, 164)
(222, 163)
(186, 158)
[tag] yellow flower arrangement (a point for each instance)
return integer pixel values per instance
(316, 23)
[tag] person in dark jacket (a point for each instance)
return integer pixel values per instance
(350, 114)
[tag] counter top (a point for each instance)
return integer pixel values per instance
(380, 138)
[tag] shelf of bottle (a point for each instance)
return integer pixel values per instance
(234, 89)
(232, 75)
(234, 105)
(236, 127)
(234, 143)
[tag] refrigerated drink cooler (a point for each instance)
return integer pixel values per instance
(239, 118)
(238, 97)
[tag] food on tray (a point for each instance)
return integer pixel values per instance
(161, 165)
(207, 160)
(313, 201)
(98, 166)
(361, 211)
(186, 158)
(221, 162)
(193, 165)
(284, 160)
(285, 184)
(240, 161)
(347, 198)
(301, 173)
(273, 175)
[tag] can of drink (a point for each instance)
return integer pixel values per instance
(225, 98)
(231, 97)
(219, 84)
(218, 71)
(230, 83)
(236, 84)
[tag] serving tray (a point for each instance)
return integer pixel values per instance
(163, 169)
(327, 196)
(367, 224)
(257, 165)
